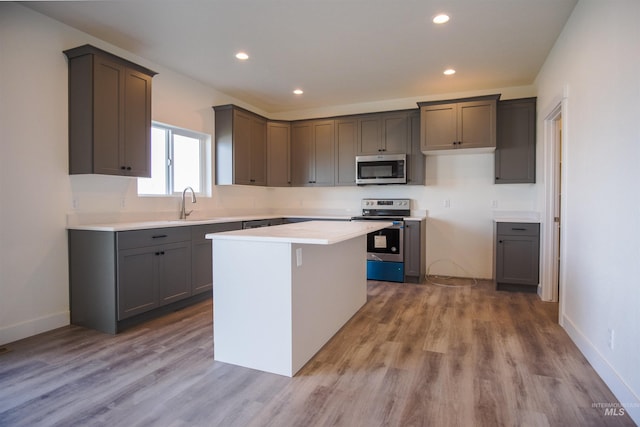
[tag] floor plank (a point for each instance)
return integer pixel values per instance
(414, 355)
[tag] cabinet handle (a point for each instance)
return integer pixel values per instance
(159, 236)
(128, 168)
(499, 241)
(518, 229)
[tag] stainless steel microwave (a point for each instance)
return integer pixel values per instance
(381, 169)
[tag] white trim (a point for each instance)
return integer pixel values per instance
(32, 327)
(620, 389)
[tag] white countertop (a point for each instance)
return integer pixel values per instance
(309, 232)
(142, 225)
(516, 216)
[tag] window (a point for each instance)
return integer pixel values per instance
(178, 160)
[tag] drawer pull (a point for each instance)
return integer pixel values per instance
(519, 229)
(159, 236)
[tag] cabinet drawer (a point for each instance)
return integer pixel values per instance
(152, 237)
(518, 228)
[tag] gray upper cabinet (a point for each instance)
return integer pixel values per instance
(109, 114)
(278, 154)
(383, 133)
(458, 124)
(241, 146)
(346, 142)
(515, 156)
(313, 153)
(415, 160)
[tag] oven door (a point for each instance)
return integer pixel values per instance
(386, 244)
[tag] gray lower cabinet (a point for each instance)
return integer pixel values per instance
(201, 261)
(517, 254)
(118, 278)
(152, 276)
(414, 250)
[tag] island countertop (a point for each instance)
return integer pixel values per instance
(310, 232)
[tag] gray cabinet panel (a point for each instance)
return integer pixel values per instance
(174, 272)
(137, 282)
(370, 134)
(517, 256)
(109, 114)
(278, 152)
(152, 237)
(414, 247)
(346, 143)
(241, 146)
(201, 254)
(459, 124)
(395, 133)
(415, 160)
(515, 156)
(313, 153)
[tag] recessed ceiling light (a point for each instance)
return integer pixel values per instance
(242, 56)
(298, 91)
(449, 71)
(440, 19)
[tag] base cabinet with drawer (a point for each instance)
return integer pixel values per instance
(118, 278)
(517, 256)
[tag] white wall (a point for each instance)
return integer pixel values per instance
(596, 59)
(38, 195)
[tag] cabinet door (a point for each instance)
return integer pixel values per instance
(346, 142)
(415, 160)
(517, 260)
(278, 151)
(439, 126)
(241, 148)
(395, 133)
(412, 251)
(108, 117)
(324, 145)
(258, 173)
(174, 272)
(137, 123)
(476, 124)
(302, 154)
(137, 282)
(369, 135)
(515, 156)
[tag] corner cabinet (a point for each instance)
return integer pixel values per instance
(312, 153)
(109, 114)
(517, 256)
(468, 123)
(515, 156)
(241, 146)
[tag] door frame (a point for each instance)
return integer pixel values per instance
(555, 117)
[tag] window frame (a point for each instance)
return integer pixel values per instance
(204, 154)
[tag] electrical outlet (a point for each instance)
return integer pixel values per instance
(446, 203)
(299, 257)
(611, 338)
(494, 204)
(75, 203)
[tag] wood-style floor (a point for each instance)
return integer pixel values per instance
(414, 355)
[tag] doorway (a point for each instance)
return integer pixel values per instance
(554, 149)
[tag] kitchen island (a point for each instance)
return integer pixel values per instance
(280, 293)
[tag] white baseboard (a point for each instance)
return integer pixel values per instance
(32, 327)
(625, 395)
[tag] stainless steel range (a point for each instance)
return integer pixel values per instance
(385, 248)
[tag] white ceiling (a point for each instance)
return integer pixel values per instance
(338, 51)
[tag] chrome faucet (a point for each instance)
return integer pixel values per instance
(184, 214)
